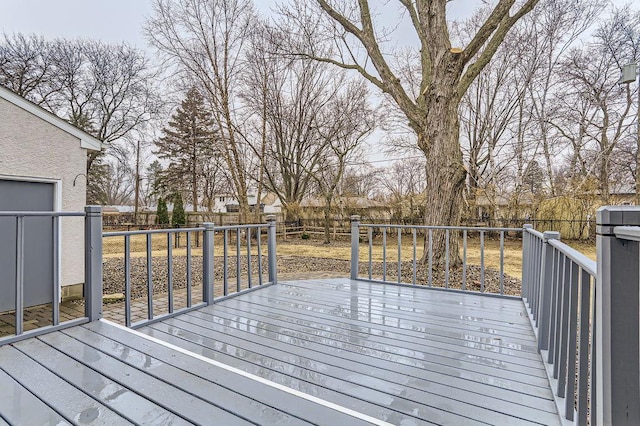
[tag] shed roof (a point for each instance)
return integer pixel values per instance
(86, 140)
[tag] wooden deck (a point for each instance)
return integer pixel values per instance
(332, 352)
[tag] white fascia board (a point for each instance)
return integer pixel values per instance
(86, 140)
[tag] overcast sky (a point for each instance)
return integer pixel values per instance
(108, 20)
(111, 21)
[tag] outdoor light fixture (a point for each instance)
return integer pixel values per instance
(628, 73)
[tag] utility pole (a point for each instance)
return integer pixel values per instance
(137, 196)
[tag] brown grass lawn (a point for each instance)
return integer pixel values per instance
(341, 250)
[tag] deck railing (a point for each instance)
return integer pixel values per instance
(93, 271)
(421, 239)
(586, 314)
(587, 318)
(559, 285)
(246, 241)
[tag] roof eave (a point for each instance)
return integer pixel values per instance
(86, 140)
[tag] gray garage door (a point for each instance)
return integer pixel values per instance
(38, 243)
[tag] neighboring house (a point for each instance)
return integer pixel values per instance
(271, 203)
(226, 203)
(43, 162)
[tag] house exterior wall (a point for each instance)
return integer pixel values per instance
(32, 149)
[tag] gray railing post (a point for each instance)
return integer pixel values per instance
(207, 263)
(93, 262)
(355, 246)
(617, 329)
(271, 248)
(546, 277)
(526, 253)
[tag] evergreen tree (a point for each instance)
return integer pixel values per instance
(178, 217)
(162, 215)
(188, 146)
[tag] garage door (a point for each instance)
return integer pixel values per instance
(38, 243)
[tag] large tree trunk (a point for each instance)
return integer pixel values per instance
(445, 177)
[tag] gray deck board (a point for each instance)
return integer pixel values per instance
(441, 357)
(264, 396)
(191, 382)
(326, 352)
(19, 406)
(111, 382)
(67, 400)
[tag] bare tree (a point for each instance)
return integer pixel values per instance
(404, 182)
(446, 72)
(206, 40)
(26, 67)
(343, 126)
(594, 111)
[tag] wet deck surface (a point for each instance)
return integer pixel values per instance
(403, 355)
(398, 354)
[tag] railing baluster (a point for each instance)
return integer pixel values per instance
(413, 231)
(594, 348)
(19, 275)
(260, 256)
(249, 257)
(562, 279)
(238, 286)
(571, 347)
(56, 271)
(169, 273)
(430, 271)
(560, 367)
(189, 269)
(563, 348)
(553, 311)
(384, 254)
(370, 235)
(464, 259)
(501, 262)
(482, 261)
(399, 255)
(446, 250)
(127, 280)
(583, 342)
(149, 278)
(225, 263)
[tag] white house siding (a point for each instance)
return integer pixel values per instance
(32, 148)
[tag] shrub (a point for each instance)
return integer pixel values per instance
(178, 217)
(162, 215)
(305, 236)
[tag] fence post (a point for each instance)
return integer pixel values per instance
(271, 248)
(526, 252)
(546, 277)
(617, 329)
(207, 263)
(93, 262)
(355, 246)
